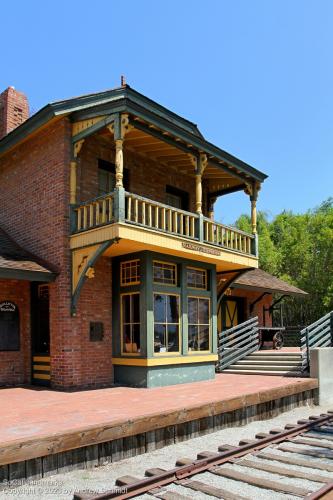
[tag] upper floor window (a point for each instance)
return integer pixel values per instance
(130, 272)
(177, 198)
(196, 278)
(107, 177)
(165, 273)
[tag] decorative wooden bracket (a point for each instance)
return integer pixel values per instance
(83, 261)
(77, 147)
(120, 127)
(236, 273)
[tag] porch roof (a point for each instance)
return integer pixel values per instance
(145, 111)
(18, 263)
(259, 280)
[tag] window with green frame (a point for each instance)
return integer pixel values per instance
(130, 323)
(198, 323)
(166, 323)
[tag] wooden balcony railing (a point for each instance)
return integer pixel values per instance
(163, 218)
(94, 213)
(130, 208)
(227, 237)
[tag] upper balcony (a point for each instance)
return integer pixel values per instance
(146, 178)
(157, 226)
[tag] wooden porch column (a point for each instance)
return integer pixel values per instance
(199, 163)
(211, 202)
(253, 192)
(119, 161)
(73, 182)
(254, 215)
(73, 171)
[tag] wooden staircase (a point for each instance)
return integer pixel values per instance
(284, 364)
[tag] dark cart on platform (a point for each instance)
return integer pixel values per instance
(271, 334)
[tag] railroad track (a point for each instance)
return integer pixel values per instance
(296, 461)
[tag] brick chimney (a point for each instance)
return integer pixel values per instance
(14, 110)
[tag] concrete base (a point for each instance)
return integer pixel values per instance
(321, 367)
(161, 376)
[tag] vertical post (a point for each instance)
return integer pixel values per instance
(211, 202)
(199, 163)
(331, 323)
(198, 193)
(119, 163)
(119, 128)
(253, 198)
(73, 182)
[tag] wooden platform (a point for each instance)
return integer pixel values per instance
(44, 431)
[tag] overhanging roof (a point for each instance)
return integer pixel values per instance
(127, 100)
(17, 263)
(259, 280)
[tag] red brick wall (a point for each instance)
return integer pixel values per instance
(14, 110)
(34, 210)
(15, 366)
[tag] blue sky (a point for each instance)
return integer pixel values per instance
(255, 75)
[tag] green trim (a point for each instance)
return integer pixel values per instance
(17, 274)
(125, 99)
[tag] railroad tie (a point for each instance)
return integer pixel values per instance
(260, 482)
(283, 471)
(294, 461)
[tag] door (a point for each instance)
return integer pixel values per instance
(40, 334)
(231, 313)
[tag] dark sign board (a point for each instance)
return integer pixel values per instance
(9, 327)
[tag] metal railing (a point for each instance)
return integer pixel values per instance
(237, 342)
(121, 206)
(319, 334)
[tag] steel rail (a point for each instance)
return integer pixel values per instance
(202, 465)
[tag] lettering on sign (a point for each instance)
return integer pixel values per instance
(7, 307)
(199, 248)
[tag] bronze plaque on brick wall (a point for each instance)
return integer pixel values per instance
(9, 327)
(96, 332)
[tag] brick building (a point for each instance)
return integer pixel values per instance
(108, 200)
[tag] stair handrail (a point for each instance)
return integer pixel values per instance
(318, 334)
(237, 342)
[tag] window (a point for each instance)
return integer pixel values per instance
(196, 278)
(130, 272)
(166, 323)
(177, 198)
(198, 323)
(130, 323)
(9, 327)
(106, 177)
(164, 273)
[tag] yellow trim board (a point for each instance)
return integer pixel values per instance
(41, 376)
(45, 368)
(42, 358)
(134, 238)
(175, 360)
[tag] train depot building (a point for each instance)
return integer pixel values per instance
(112, 266)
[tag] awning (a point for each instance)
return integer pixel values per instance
(260, 281)
(18, 263)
